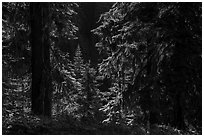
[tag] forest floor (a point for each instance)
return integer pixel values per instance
(27, 124)
(31, 125)
(18, 120)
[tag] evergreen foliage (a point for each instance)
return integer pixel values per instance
(155, 39)
(147, 81)
(86, 86)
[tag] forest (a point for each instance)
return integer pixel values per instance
(101, 68)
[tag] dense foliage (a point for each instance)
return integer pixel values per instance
(152, 53)
(147, 81)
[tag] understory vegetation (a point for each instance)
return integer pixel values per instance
(147, 80)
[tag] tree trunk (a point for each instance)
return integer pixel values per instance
(47, 68)
(179, 61)
(152, 116)
(178, 111)
(41, 80)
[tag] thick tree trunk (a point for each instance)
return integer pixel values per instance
(47, 68)
(41, 82)
(37, 64)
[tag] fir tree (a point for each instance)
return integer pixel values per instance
(92, 102)
(79, 70)
(86, 86)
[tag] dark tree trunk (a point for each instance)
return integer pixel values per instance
(41, 82)
(178, 112)
(151, 103)
(47, 68)
(37, 64)
(179, 61)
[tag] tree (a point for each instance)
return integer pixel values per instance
(187, 45)
(92, 101)
(15, 36)
(142, 34)
(41, 78)
(80, 76)
(86, 87)
(44, 34)
(78, 63)
(18, 39)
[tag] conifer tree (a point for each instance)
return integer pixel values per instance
(92, 102)
(161, 59)
(79, 69)
(86, 86)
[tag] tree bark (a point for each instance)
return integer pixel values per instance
(179, 61)
(178, 111)
(41, 80)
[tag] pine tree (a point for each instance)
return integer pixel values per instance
(92, 102)
(86, 86)
(156, 41)
(62, 79)
(79, 69)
